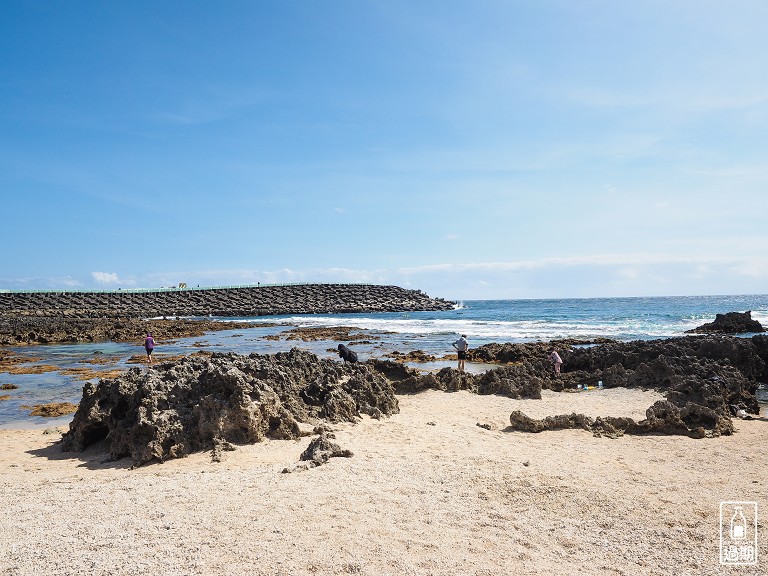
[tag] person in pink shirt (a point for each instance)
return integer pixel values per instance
(554, 357)
(149, 346)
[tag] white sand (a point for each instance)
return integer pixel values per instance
(417, 498)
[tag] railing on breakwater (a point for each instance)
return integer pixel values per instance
(166, 288)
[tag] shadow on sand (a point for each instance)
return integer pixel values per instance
(95, 457)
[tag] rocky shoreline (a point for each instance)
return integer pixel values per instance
(28, 330)
(203, 402)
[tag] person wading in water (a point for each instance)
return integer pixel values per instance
(149, 346)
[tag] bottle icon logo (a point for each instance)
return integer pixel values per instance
(738, 524)
(738, 533)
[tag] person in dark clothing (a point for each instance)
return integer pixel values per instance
(347, 355)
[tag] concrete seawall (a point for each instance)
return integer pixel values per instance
(237, 301)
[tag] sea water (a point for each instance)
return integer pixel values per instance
(483, 321)
(532, 320)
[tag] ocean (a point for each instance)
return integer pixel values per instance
(483, 321)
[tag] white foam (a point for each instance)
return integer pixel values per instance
(483, 329)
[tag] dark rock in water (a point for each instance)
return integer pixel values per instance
(197, 403)
(730, 323)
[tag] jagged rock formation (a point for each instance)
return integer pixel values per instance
(747, 355)
(213, 402)
(513, 381)
(319, 451)
(322, 449)
(196, 403)
(730, 323)
(663, 417)
(245, 301)
(701, 377)
(509, 353)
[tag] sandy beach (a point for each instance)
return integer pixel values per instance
(428, 491)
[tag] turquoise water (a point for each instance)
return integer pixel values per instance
(483, 321)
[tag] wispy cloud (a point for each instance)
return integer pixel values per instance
(592, 260)
(246, 276)
(693, 99)
(105, 277)
(36, 283)
(598, 274)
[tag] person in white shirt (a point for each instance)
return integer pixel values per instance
(461, 346)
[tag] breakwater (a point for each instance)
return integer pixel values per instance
(224, 301)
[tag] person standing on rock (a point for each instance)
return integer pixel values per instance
(554, 357)
(149, 346)
(461, 346)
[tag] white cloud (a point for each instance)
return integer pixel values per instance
(36, 283)
(688, 99)
(757, 268)
(743, 264)
(639, 274)
(67, 281)
(105, 277)
(591, 276)
(246, 276)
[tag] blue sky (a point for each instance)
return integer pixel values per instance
(484, 149)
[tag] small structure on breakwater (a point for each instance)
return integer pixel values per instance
(220, 301)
